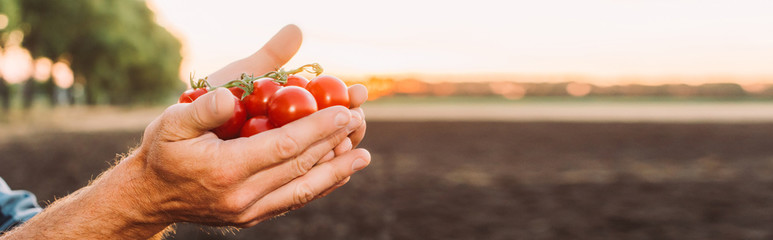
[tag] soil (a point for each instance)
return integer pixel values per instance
(488, 180)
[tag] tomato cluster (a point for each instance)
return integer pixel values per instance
(274, 99)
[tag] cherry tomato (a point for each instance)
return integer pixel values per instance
(256, 125)
(231, 128)
(289, 104)
(191, 94)
(328, 91)
(296, 80)
(257, 102)
(236, 91)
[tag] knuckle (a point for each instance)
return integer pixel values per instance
(224, 178)
(286, 146)
(302, 165)
(236, 205)
(303, 194)
(337, 175)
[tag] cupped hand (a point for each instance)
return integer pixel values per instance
(191, 175)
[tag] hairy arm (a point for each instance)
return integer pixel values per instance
(109, 208)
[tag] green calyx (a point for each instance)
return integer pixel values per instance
(200, 83)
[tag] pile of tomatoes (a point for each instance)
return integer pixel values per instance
(273, 99)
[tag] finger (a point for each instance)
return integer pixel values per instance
(271, 178)
(278, 145)
(190, 120)
(329, 156)
(333, 188)
(358, 94)
(275, 53)
(343, 147)
(300, 191)
(358, 134)
(256, 185)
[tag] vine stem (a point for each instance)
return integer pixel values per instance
(244, 81)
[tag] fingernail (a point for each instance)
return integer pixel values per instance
(341, 119)
(213, 103)
(359, 164)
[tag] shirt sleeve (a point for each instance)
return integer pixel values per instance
(16, 207)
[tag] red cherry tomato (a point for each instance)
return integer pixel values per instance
(289, 104)
(191, 94)
(296, 80)
(257, 102)
(236, 91)
(231, 128)
(256, 125)
(328, 91)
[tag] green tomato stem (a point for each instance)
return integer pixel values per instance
(244, 81)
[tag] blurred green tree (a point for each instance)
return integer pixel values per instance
(117, 51)
(9, 11)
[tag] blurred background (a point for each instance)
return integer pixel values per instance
(486, 120)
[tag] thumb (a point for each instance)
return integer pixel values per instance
(185, 121)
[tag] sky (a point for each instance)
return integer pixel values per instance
(592, 37)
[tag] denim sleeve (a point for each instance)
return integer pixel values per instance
(16, 207)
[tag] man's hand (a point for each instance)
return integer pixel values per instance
(191, 175)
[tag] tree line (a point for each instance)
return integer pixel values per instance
(117, 52)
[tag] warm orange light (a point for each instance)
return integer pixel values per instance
(63, 76)
(410, 86)
(509, 90)
(443, 89)
(16, 65)
(42, 69)
(578, 89)
(377, 87)
(755, 88)
(3, 21)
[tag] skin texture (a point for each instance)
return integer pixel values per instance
(239, 182)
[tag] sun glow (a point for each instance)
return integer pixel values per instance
(42, 69)
(62, 74)
(602, 38)
(16, 65)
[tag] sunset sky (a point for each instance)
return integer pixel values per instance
(595, 37)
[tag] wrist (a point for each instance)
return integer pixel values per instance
(125, 196)
(112, 207)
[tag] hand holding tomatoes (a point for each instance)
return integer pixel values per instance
(243, 181)
(274, 99)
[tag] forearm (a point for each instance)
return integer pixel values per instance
(109, 208)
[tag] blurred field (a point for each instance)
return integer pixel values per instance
(522, 178)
